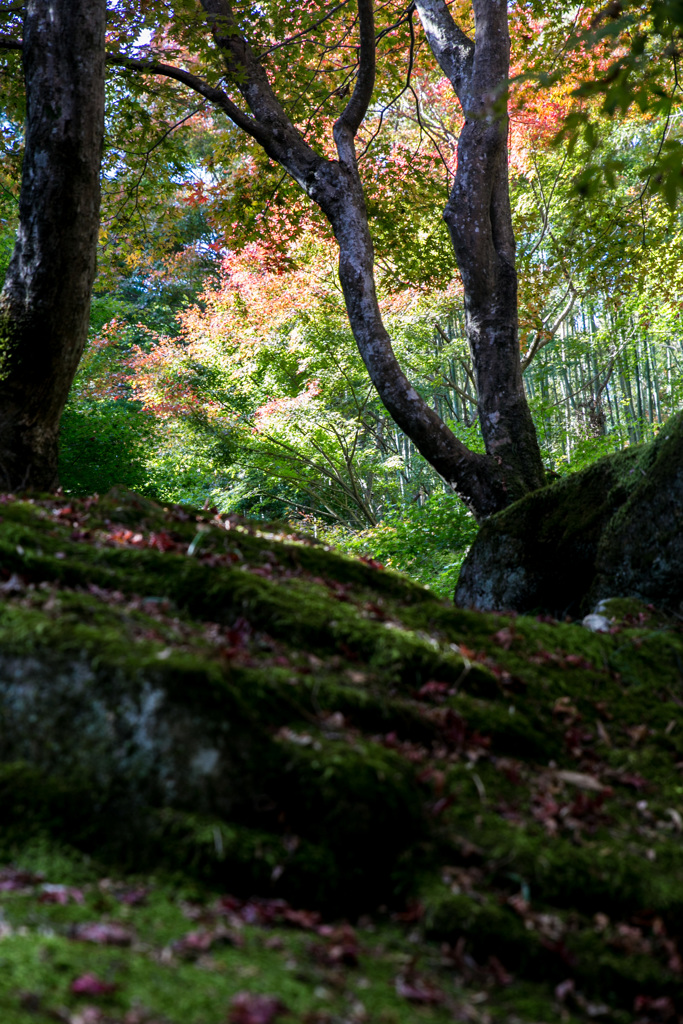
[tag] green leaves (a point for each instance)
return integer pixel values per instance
(665, 175)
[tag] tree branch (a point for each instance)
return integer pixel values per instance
(453, 50)
(304, 31)
(278, 136)
(10, 43)
(216, 96)
(357, 106)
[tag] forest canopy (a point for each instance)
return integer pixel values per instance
(220, 365)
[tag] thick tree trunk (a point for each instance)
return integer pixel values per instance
(478, 479)
(479, 220)
(45, 302)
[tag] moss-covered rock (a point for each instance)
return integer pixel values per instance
(245, 709)
(611, 530)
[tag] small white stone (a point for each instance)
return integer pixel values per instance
(597, 623)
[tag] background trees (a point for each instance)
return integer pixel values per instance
(255, 398)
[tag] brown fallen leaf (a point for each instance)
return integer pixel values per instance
(580, 780)
(103, 933)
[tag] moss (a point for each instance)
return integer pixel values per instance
(487, 927)
(610, 530)
(547, 947)
(363, 802)
(241, 859)
(263, 716)
(34, 804)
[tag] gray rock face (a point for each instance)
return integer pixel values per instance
(614, 528)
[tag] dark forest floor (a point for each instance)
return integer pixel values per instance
(234, 763)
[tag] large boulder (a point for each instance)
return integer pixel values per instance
(613, 529)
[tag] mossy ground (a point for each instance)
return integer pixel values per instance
(511, 786)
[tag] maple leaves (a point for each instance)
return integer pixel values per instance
(247, 1008)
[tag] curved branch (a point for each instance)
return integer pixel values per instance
(217, 96)
(11, 43)
(304, 31)
(356, 109)
(453, 50)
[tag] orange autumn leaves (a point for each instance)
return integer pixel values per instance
(264, 285)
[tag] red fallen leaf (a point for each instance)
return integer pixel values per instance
(662, 1006)
(372, 562)
(376, 611)
(12, 879)
(576, 661)
(504, 638)
(435, 776)
(248, 1008)
(476, 740)
(564, 989)
(503, 978)
(133, 897)
(195, 943)
(413, 912)
(636, 781)
(467, 653)
(433, 690)
(442, 805)
(162, 541)
(307, 919)
(61, 894)
(343, 946)
(238, 634)
(637, 732)
(103, 933)
(510, 770)
(348, 652)
(418, 990)
(564, 706)
(91, 985)
(454, 729)
(561, 950)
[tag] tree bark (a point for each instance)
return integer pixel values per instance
(45, 302)
(479, 221)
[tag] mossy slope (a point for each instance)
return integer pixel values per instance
(193, 694)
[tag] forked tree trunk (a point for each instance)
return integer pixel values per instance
(45, 302)
(478, 215)
(479, 220)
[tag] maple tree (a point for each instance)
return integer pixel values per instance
(477, 214)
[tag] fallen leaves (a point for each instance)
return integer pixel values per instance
(16, 880)
(103, 933)
(418, 989)
(581, 780)
(196, 943)
(248, 1008)
(91, 985)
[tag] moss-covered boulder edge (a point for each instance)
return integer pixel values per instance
(612, 530)
(186, 692)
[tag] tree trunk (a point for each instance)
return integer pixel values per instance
(479, 220)
(45, 302)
